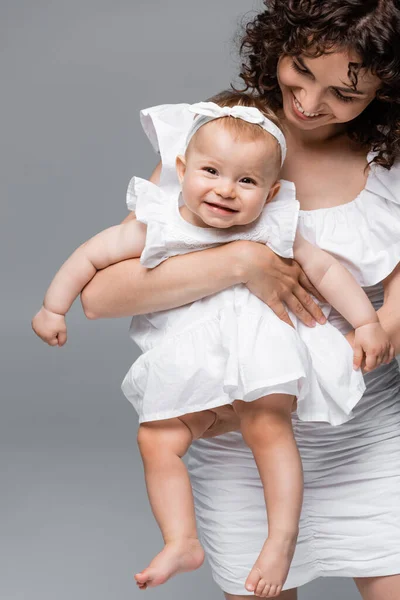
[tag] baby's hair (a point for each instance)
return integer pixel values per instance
(239, 126)
(233, 98)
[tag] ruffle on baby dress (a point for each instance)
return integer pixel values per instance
(168, 234)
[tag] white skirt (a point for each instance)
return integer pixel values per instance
(231, 346)
(350, 523)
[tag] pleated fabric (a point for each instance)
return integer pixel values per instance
(350, 522)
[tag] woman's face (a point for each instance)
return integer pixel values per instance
(318, 92)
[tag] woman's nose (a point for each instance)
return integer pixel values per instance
(311, 100)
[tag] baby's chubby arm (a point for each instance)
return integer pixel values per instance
(110, 246)
(341, 290)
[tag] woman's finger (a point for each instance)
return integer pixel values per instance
(309, 305)
(279, 309)
(302, 313)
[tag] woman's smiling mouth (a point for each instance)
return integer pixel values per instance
(301, 113)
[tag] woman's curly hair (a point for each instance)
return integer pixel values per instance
(314, 27)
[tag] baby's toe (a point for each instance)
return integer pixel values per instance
(253, 580)
(273, 591)
(262, 589)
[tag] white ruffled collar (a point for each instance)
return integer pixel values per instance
(380, 182)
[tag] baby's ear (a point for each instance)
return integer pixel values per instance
(180, 167)
(273, 191)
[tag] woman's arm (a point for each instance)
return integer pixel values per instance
(389, 313)
(128, 288)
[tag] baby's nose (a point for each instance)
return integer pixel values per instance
(226, 189)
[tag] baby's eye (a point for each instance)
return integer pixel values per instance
(248, 180)
(210, 170)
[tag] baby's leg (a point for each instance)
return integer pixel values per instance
(266, 428)
(162, 445)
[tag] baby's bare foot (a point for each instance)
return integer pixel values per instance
(271, 568)
(176, 557)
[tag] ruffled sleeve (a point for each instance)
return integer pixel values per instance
(151, 205)
(382, 217)
(281, 218)
(167, 127)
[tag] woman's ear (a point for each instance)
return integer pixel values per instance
(180, 168)
(273, 191)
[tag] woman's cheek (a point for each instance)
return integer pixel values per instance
(346, 114)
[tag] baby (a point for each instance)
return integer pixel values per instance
(229, 348)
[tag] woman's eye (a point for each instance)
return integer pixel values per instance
(210, 170)
(343, 98)
(298, 69)
(248, 180)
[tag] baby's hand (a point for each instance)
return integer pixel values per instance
(50, 327)
(374, 342)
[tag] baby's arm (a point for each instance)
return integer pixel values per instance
(110, 246)
(341, 290)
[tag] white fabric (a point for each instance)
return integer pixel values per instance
(364, 235)
(209, 111)
(350, 523)
(231, 345)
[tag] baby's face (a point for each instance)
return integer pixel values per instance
(226, 179)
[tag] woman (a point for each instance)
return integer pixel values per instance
(332, 69)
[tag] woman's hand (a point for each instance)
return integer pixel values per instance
(278, 282)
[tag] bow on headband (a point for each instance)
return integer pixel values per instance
(208, 111)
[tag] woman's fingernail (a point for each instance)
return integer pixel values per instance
(322, 320)
(313, 323)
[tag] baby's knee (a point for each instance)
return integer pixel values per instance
(148, 439)
(263, 422)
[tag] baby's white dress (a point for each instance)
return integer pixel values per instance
(350, 522)
(230, 345)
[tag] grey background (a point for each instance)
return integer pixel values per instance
(74, 518)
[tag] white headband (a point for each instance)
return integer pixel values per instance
(208, 111)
